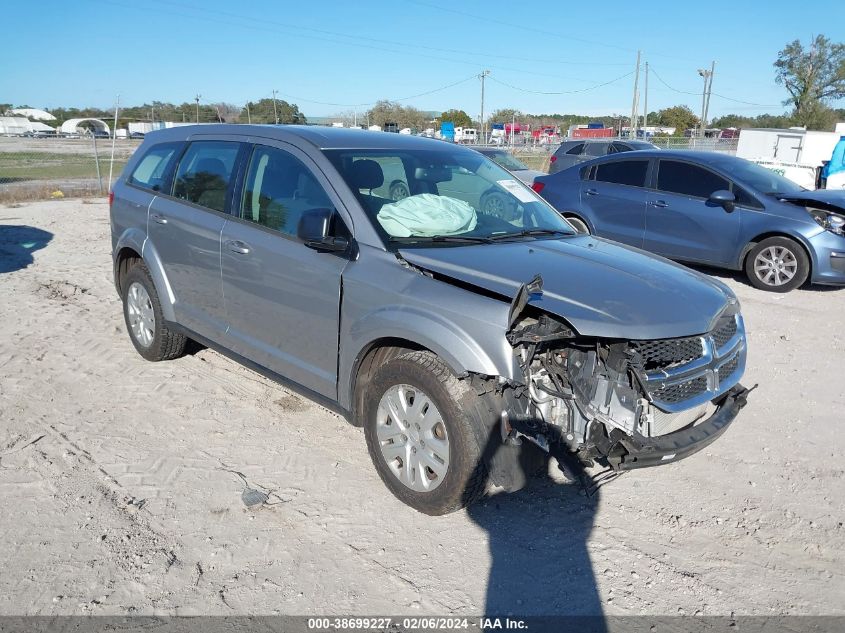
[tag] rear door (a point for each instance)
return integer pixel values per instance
(184, 228)
(681, 224)
(566, 156)
(282, 298)
(615, 197)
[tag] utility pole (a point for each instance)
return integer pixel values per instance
(275, 113)
(248, 115)
(197, 99)
(481, 122)
(634, 100)
(707, 75)
(709, 90)
(645, 105)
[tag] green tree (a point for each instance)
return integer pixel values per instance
(506, 115)
(679, 117)
(262, 111)
(812, 76)
(458, 117)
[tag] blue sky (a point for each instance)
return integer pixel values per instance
(326, 55)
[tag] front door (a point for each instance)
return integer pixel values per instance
(282, 298)
(184, 228)
(682, 224)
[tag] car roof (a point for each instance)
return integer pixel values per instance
(319, 136)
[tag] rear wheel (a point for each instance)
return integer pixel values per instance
(144, 320)
(578, 224)
(777, 264)
(422, 434)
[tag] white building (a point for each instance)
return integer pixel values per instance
(33, 113)
(18, 126)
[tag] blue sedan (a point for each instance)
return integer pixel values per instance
(707, 208)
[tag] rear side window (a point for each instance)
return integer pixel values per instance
(152, 170)
(279, 189)
(688, 180)
(623, 172)
(205, 172)
(577, 149)
(620, 147)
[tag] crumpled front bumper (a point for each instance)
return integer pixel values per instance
(628, 453)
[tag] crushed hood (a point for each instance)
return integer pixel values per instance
(600, 288)
(829, 199)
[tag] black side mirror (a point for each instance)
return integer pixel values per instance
(314, 229)
(723, 198)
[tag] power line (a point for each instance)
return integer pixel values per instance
(565, 92)
(715, 94)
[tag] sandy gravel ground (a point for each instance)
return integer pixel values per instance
(121, 480)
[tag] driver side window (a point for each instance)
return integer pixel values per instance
(279, 188)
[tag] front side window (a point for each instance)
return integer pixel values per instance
(596, 149)
(279, 188)
(205, 172)
(620, 147)
(507, 160)
(623, 172)
(151, 171)
(688, 180)
(454, 196)
(577, 149)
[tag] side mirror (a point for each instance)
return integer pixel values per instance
(724, 199)
(314, 229)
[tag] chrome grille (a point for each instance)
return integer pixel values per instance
(728, 368)
(724, 331)
(669, 352)
(681, 391)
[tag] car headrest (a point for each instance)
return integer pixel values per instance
(213, 166)
(367, 174)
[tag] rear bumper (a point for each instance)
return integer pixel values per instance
(629, 453)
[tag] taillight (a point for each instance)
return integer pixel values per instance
(111, 197)
(553, 158)
(537, 186)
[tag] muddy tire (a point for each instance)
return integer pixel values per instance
(144, 319)
(423, 428)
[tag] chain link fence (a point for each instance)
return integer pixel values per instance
(38, 168)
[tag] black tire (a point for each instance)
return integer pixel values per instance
(165, 344)
(577, 223)
(399, 191)
(461, 411)
(497, 205)
(793, 255)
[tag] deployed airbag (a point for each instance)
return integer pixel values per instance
(426, 215)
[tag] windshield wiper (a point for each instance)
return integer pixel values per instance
(465, 239)
(529, 233)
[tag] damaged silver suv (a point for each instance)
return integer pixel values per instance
(468, 340)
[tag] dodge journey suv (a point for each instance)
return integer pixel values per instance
(469, 344)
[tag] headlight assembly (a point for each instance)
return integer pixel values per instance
(832, 222)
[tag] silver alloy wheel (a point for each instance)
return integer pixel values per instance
(775, 265)
(412, 438)
(139, 309)
(494, 205)
(578, 225)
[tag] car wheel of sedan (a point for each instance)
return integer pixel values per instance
(777, 264)
(422, 429)
(144, 320)
(578, 224)
(399, 191)
(496, 205)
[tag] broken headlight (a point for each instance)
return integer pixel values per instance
(832, 222)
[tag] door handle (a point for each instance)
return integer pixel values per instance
(660, 204)
(591, 192)
(157, 217)
(236, 246)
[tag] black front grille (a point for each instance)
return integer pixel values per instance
(669, 352)
(673, 394)
(724, 331)
(728, 368)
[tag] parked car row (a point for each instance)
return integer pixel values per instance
(470, 340)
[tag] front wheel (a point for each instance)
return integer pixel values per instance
(578, 224)
(777, 264)
(422, 435)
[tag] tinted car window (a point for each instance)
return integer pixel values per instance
(620, 147)
(623, 172)
(577, 149)
(743, 198)
(279, 189)
(205, 172)
(596, 149)
(688, 180)
(151, 171)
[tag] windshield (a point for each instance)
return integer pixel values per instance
(763, 179)
(448, 195)
(506, 160)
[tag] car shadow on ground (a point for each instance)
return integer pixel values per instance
(540, 564)
(18, 243)
(739, 277)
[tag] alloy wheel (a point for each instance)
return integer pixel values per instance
(141, 317)
(775, 265)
